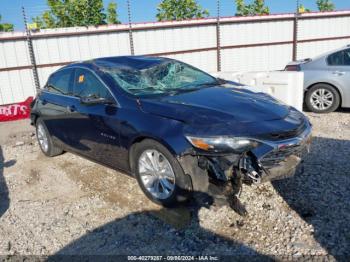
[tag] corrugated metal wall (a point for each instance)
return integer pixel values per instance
(15, 84)
(321, 28)
(247, 44)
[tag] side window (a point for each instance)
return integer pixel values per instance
(59, 82)
(336, 59)
(86, 84)
(347, 57)
(341, 58)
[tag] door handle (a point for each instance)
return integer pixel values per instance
(44, 102)
(71, 109)
(339, 73)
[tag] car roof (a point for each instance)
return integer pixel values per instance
(127, 62)
(317, 58)
(331, 52)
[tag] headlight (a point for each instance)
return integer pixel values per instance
(223, 144)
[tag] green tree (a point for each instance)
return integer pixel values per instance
(46, 20)
(325, 5)
(180, 10)
(5, 27)
(96, 16)
(241, 9)
(67, 13)
(112, 17)
(256, 8)
(303, 9)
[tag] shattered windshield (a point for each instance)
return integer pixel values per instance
(169, 77)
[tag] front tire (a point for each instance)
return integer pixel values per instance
(322, 98)
(159, 174)
(45, 140)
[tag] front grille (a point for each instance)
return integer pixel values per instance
(275, 157)
(286, 134)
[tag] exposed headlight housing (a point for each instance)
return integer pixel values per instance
(223, 144)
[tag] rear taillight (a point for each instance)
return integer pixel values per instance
(292, 68)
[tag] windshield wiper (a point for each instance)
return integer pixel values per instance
(210, 84)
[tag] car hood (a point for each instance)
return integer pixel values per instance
(217, 104)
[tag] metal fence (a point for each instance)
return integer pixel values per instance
(258, 43)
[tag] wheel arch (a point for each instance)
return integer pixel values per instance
(137, 140)
(33, 118)
(326, 83)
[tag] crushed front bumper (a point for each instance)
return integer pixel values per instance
(280, 159)
(271, 160)
(221, 176)
(286, 168)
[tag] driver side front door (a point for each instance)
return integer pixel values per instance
(94, 127)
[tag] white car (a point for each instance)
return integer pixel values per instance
(326, 80)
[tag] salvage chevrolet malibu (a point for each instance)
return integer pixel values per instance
(174, 127)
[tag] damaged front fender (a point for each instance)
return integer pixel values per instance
(199, 176)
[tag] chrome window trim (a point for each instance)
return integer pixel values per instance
(51, 93)
(117, 104)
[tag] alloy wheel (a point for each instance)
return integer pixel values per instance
(322, 99)
(156, 174)
(42, 138)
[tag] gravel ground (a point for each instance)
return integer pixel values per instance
(69, 205)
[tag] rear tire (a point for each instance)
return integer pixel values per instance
(45, 141)
(322, 98)
(169, 179)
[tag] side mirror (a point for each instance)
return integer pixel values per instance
(95, 101)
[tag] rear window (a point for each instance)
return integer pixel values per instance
(59, 82)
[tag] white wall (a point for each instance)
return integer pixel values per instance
(261, 43)
(323, 28)
(16, 86)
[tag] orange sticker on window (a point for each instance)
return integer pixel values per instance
(81, 79)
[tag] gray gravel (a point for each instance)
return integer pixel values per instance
(69, 205)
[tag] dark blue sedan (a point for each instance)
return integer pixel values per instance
(172, 126)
